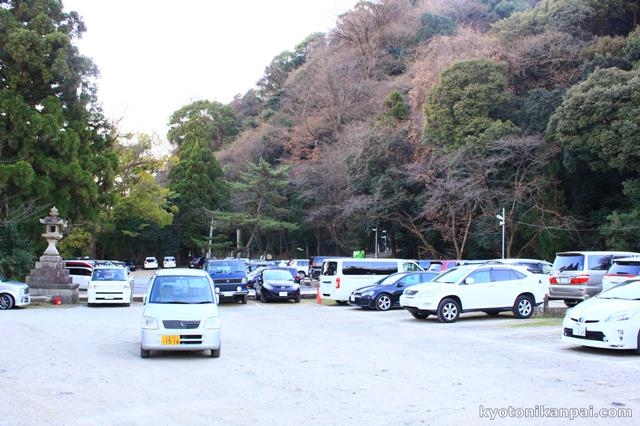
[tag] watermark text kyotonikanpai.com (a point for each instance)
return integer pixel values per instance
(540, 411)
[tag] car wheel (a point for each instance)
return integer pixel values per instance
(448, 310)
(419, 315)
(215, 353)
(6, 301)
(244, 299)
(638, 347)
(297, 299)
(263, 298)
(383, 302)
(523, 308)
(571, 303)
(144, 353)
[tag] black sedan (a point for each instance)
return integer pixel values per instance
(277, 284)
(385, 293)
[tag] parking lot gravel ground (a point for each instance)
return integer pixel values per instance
(307, 363)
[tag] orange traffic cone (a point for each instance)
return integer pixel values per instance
(57, 300)
(318, 298)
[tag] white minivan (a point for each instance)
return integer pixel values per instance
(180, 313)
(341, 276)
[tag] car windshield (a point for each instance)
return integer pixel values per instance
(628, 290)
(102, 274)
(277, 274)
(181, 289)
(453, 275)
(390, 279)
(225, 266)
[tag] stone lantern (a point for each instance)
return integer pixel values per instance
(49, 279)
(53, 231)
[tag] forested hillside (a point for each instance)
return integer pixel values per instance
(419, 119)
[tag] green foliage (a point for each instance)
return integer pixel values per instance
(76, 243)
(210, 121)
(469, 105)
(538, 108)
(632, 47)
(500, 9)
(198, 184)
(395, 107)
(597, 123)
(435, 25)
(16, 252)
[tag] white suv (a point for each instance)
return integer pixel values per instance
(486, 288)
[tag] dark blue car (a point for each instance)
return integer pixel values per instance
(229, 277)
(385, 293)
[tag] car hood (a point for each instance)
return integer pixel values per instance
(600, 309)
(14, 283)
(180, 311)
(430, 285)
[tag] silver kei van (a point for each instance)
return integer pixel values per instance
(577, 275)
(180, 313)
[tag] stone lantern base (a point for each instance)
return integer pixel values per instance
(49, 278)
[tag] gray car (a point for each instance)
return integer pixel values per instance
(577, 275)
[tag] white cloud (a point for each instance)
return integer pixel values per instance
(156, 56)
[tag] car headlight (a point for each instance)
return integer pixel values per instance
(212, 323)
(149, 323)
(368, 293)
(296, 286)
(267, 286)
(621, 316)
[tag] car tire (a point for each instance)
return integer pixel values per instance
(419, 315)
(382, 302)
(6, 302)
(215, 353)
(244, 299)
(144, 353)
(571, 303)
(523, 307)
(638, 346)
(263, 298)
(448, 310)
(297, 299)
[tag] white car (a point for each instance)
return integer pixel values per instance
(150, 262)
(610, 319)
(110, 285)
(180, 313)
(169, 262)
(622, 269)
(488, 288)
(13, 293)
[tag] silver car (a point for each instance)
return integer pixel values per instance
(180, 313)
(577, 275)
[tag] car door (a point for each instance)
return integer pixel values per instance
(404, 282)
(476, 290)
(506, 286)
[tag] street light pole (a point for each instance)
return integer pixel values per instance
(375, 242)
(502, 221)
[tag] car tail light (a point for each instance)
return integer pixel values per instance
(580, 279)
(553, 280)
(338, 282)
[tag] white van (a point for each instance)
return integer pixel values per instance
(180, 313)
(341, 276)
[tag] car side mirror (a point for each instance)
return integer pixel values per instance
(400, 285)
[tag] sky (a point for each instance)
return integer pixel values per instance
(156, 56)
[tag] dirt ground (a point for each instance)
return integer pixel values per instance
(307, 363)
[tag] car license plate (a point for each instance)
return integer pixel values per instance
(283, 294)
(170, 340)
(563, 280)
(228, 293)
(580, 330)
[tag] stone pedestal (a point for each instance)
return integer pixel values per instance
(49, 278)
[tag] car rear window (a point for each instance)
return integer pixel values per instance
(571, 262)
(625, 268)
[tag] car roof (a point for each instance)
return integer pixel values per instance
(109, 267)
(181, 271)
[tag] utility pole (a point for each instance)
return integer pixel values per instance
(502, 221)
